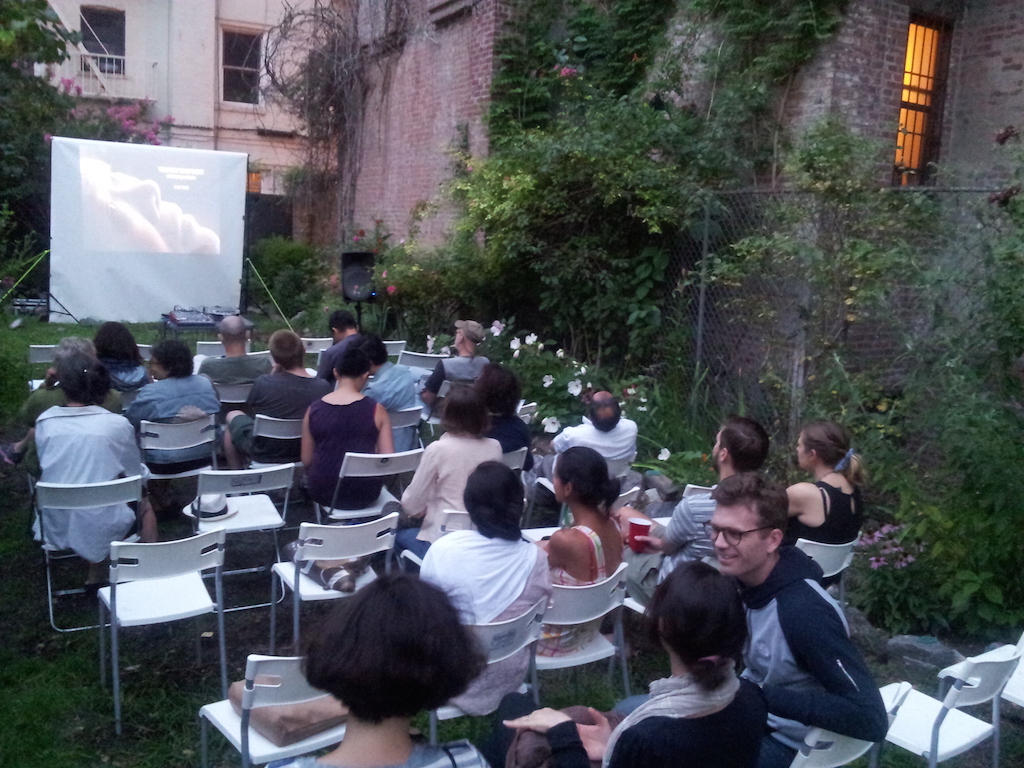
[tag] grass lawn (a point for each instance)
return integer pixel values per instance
(55, 712)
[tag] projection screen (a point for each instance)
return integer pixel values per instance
(138, 229)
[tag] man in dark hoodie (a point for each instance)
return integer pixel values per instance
(799, 650)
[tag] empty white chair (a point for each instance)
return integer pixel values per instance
(395, 347)
(1014, 690)
(527, 411)
(938, 730)
(41, 353)
(327, 542)
(63, 498)
(573, 606)
(269, 680)
(156, 436)
(833, 559)
(157, 583)
(370, 465)
(499, 641)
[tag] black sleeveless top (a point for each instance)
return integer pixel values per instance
(844, 515)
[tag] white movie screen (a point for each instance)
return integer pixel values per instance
(138, 229)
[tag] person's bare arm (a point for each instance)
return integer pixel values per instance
(566, 550)
(307, 442)
(805, 504)
(385, 439)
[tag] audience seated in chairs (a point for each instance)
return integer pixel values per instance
(117, 350)
(440, 480)
(81, 442)
(236, 367)
(501, 390)
(341, 421)
(702, 711)
(390, 651)
(591, 550)
(284, 393)
(392, 386)
(490, 574)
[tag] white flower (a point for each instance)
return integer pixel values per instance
(516, 353)
(664, 454)
(515, 343)
(446, 350)
(575, 387)
(589, 385)
(497, 327)
(583, 370)
(631, 391)
(548, 380)
(560, 353)
(643, 399)
(531, 339)
(641, 407)
(430, 344)
(551, 424)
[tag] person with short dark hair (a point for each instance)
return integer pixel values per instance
(392, 650)
(345, 332)
(465, 367)
(391, 385)
(175, 395)
(236, 366)
(741, 446)
(117, 350)
(490, 574)
(799, 652)
(702, 716)
(341, 421)
(81, 442)
(501, 390)
(440, 479)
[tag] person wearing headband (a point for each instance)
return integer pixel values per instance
(830, 509)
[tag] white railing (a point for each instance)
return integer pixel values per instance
(103, 76)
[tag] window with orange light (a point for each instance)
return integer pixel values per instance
(924, 81)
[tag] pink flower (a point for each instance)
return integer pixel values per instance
(384, 274)
(355, 238)
(47, 137)
(391, 289)
(877, 562)
(568, 72)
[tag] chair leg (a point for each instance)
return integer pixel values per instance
(620, 641)
(433, 727)
(223, 647)
(203, 738)
(533, 679)
(273, 610)
(115, 664)
(103, 646)
(995, 735)
(296, 606)
(874, 754)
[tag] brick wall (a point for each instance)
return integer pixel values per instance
(414, 112)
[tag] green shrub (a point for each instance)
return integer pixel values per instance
(293, 272)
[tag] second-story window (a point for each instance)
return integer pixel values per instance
(242, 59)
(103, 38)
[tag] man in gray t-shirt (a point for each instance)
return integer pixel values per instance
(741, 446)
(466, 367)
(236, 367)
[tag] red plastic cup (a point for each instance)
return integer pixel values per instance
(638, 527)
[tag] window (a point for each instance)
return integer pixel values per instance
(924, 81)
(103, 38)
(242, 58)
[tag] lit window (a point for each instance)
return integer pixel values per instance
(103, 38)
(917, 145)
(242, 59)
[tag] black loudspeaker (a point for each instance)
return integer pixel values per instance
(357, 276)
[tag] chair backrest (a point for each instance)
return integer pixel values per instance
(316, 345)
(157, 436)
(444, 389)
(380, 464)
(455, 520)
(626, 497)
(578, 605)
(271, 680)
(233, 393)
(395, 347)
(619, 467)
(515, 459)
(276, 429)
(262, 353)
(407, 417)
(216, 348)
(146, 351)
(833, 558)
(88, 495)
(235, 481)
(527, 411)
(502, 639)
(343, 542)
(825, 749)
(41, 353)
(137, 562)
(693, 490)
(983, 680)
(419, 359)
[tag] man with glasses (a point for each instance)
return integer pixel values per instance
(799, 650)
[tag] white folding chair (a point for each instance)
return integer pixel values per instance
(833, 559)
(1014, 690)
(574, 606)
(693, 490)
(269, 681)
(419, 359)
(407, 418)
(157, 436)
(526, 412)
(936, 729)
(328, 542)
(65, 498)
(369, 465)
(626, 497)
(145, 351)
(454, 520)
(274, 429)
(233, 395)
(41, 353)
(432, 412)
(216, 348)
(157, 583)
(395, 347)
(314, 346)
(499, 640)
(515, 460)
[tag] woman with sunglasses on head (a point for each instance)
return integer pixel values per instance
(830, 509)
(701, 716)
